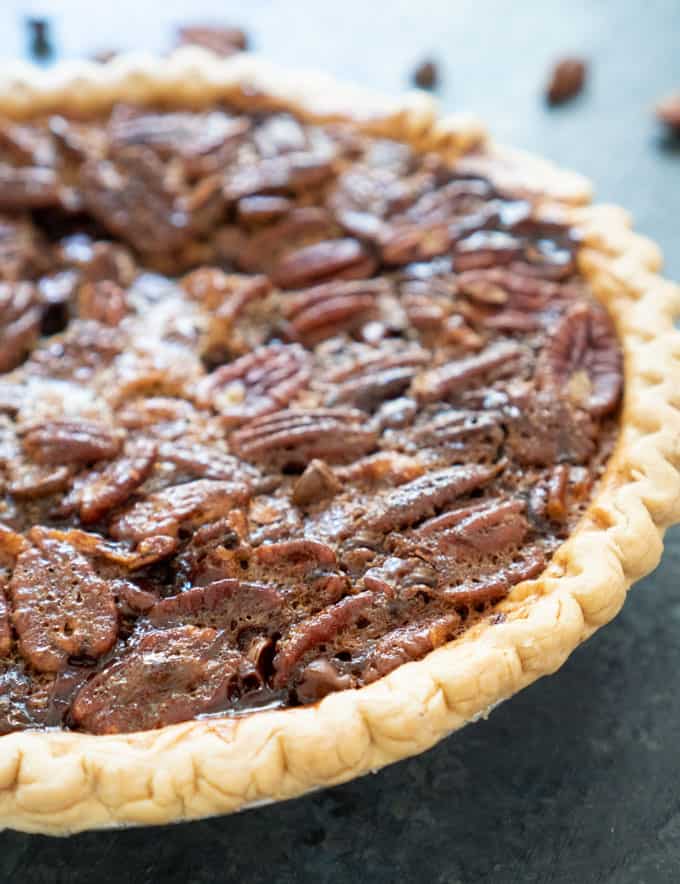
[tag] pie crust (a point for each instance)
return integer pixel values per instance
(60, 782)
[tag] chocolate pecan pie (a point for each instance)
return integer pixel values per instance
(315, 442)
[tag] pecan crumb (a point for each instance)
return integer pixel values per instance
(426, 74)
(567, 79)
(223, 41)
(668, 112)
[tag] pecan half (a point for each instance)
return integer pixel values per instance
(583, 356)
(476, 435)
(264, 381)
(21, 315)
(497, 360)
(329, 259)
(416, 500)
(196, 137)
(330, 308)
(407, 643)
(486, 249)
(190, 505)
(71, 441)
(131, 197)
(60, 607)
(293, 172)
(496, 585)
(30, 481)
(22, 252)
(166, 676)
(99, 493)
(486, 528)
(104, 301)
(294, 437)
(314, 631)
(230, 604)
(204, 461)
(147, 552)
(28, 187)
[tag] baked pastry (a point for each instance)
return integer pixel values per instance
(315, 437)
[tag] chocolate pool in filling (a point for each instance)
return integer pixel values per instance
(282, 407)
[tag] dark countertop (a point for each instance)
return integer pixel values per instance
(577, 779)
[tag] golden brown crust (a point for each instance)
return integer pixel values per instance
(61, 782)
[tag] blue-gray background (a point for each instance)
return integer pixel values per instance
(577, 780)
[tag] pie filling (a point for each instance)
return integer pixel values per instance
(283, 406)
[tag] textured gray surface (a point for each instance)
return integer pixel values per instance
(578, 778)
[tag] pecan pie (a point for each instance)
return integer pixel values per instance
(293, 397)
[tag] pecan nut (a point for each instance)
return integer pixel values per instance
(167, 676)
(262, 382)
(61, 608)
(583, 356)
(328, 259)
(294, 437)
(331, 308)
(71, 441)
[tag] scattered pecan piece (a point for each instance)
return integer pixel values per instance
(426, 74)
(221, 40)
(262, 382)
(60, 607)
(668, 112)
(567, 80)
(294, 437)
(165, 677)
(582, 355)
(543, 429)
(71, 441)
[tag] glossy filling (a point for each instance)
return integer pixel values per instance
(283, 407)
